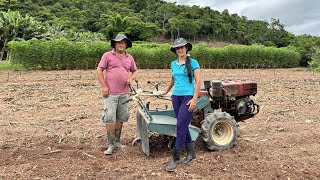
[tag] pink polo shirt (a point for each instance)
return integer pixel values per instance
(117, 71)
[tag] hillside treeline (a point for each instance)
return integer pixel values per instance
(143, 20)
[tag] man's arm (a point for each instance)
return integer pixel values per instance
(105, 88)
(132, 77)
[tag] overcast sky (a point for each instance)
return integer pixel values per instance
(298, 16)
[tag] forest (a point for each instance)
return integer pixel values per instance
(51, 103)
(143, 20)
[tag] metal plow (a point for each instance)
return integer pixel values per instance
(155, 121)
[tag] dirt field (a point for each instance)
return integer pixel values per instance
(51, 129)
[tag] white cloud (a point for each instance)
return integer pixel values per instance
(298, 16)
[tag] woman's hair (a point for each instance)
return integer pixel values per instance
(188, 67)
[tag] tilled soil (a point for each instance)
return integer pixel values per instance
(51, 128)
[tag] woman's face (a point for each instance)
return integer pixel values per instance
(181, 51)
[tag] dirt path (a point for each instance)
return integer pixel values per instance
(50, 129)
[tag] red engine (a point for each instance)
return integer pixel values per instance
(240, 88)
(233, 96)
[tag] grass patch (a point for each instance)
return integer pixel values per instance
(317, 69)
(6, 65)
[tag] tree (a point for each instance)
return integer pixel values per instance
(314, 64)
(116, 24)
(139, 30)
(14, 26)
(306, 46)
(277, 34)
(138, 5)
(9, 24)
(112, 16)
(163, 13)
(54, 32)
(175, 25)
(5, 5)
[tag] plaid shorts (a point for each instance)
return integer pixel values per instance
(114, 110)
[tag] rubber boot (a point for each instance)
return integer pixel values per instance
(190, 153)
(117, 139)
(112, 146)
(175, 161)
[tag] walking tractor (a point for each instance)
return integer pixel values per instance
(219, 108)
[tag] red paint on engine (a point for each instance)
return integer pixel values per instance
(240, 87)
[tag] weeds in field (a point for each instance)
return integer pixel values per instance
(7, 65)
(315, 63)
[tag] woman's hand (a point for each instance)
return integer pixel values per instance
(163, 93)
(192, 105)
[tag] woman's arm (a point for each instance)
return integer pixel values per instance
(193, 101)
(169, 86)
(197, 81)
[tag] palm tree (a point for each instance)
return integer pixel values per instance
(9, 26)
(116, 24)
(14, 26)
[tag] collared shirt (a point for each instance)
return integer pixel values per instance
(182, 85)
(117, 71)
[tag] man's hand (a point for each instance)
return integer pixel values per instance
(105, 91)
(192, 105)
(129, 81)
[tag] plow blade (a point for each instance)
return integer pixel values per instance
(162, 122)
(142, 132)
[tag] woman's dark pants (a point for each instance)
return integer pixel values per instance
(184, 118)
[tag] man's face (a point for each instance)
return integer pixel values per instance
(121, 45)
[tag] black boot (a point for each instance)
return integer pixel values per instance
(175, 161)
(190, 153)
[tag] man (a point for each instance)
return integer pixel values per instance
(120, 70)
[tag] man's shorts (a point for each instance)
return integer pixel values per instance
(115, 110)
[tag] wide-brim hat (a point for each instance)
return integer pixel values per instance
(181, 42)
(121, 37)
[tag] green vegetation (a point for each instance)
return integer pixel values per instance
(56, 54)
(87, 21)
(307, 46)
(65, 54)
(145, 19)
(314, 64)
(7, 65)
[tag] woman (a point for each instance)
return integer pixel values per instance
(185, 81)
